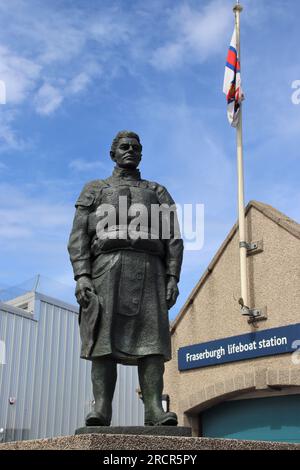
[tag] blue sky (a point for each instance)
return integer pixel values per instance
(77, 72)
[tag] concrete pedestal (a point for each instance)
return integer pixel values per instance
(143, 442)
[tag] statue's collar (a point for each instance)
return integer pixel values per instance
(133, 174)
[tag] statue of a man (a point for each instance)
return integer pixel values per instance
(126, 281)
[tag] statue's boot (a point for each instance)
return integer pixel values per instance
(151, 371)
(104, 376)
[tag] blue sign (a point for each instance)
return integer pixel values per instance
(238, 348)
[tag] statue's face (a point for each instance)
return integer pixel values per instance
(128, 153)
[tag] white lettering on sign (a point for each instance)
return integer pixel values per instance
(207, 354)
(264, 343)
(236, 348)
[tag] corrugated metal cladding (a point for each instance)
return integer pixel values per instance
(45, 388)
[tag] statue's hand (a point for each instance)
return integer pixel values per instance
(83, 287)
(172, 291)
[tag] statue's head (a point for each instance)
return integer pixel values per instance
(126, 149)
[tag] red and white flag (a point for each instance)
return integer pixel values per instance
(232, 83)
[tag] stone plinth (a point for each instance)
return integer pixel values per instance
(143, 442)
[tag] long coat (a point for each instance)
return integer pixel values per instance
(128, 317)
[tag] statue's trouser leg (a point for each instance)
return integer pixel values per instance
(151, 371)
(104, 376)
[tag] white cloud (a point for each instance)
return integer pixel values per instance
(19, 75)
(196, 34)
(9, 139)
(64, 50)
(34, 229)
(47, 99)
(79, 83)
(46, 54)
(27, 216)
(84, 165)
(168, 56)
(35, 223)
(111, 27)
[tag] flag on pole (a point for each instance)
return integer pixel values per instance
(232, 83)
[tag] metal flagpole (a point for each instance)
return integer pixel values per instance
(241, 204)
(254, 314)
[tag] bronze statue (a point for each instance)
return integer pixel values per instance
(125, 284)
